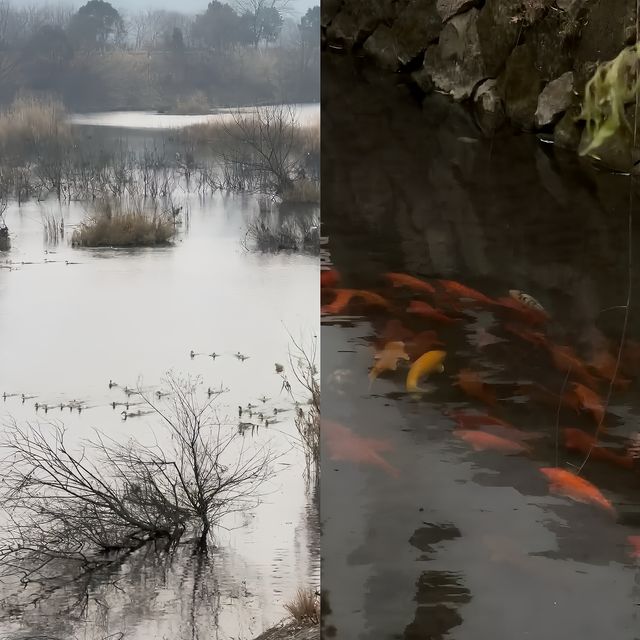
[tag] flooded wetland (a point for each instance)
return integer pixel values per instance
(108, 343)
(490, 488)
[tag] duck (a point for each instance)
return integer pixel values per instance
(279, 368)
(264, 399)
(112, 384)
(193, 354)
(214, 355)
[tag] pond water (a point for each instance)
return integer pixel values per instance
(430, 530)
(71, 320)
(307, 114)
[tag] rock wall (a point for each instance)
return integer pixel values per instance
(518, 62)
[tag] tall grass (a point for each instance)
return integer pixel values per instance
(31, 122)
(119, 223)
(305, 607)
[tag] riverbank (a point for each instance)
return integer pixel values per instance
(517, 64)
(290, 631)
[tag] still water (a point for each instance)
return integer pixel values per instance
(71, 320)
(307, 114)
(426, 533)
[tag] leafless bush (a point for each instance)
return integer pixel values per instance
(74, 505)
(302, 363)
(297, 234)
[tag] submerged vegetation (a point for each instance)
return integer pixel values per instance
(118, 224)
(295, 234)
(613, 86)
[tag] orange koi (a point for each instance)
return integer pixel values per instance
(463, 292)
(387, 359)
(536, 338)
(566, 361)
(340, 302)
(524, 312)
(481, 441)
(394, 330)
(578, 440)
(473, 385)
(370, 298)
(346, 446)
(590, 401)
(634, 542)
(404, 280)
(604, 364)
(423, 342)
(476, 420)
(427, 311)
(565, 483)
(540, 394)
(329, 278)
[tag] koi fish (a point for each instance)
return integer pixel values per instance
(590, 401)
(340, 302)
(542, 395)
(566, 361)
(422, 342)
(634, 542)
(427, 311)
(461, 291)
(536, 338)
(565, 483)
(425, 364)
(404, 280)
(346, 446)
(394, 330)
(527, 300)
(387, 359)
(476, 420)
(525, 313)
(329, 278)
(604, 364)
(578, 440)
(344, 297)
(473, 385)
(482, 441)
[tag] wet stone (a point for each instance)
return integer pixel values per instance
(555, 99)
(449, 8)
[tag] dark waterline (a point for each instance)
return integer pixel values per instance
(465, 544)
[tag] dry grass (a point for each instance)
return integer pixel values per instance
(295, 234)
(30, 122)
(116, 224)
(305, 607)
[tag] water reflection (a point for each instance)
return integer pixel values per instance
(75, 320)
(497, 215)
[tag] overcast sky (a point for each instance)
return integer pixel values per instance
(184, 6)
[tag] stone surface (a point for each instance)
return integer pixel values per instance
(382, 46)
(521, 85)
(568, 130)
(498, 33)
(554, 100)
(605, 29)
(418, 25)
(488, 107)
(455, 64)
(328, 11)
(449, 8)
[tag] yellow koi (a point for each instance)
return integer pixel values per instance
(425, 364)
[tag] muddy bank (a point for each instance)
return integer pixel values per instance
(516, 63)
(290, 631)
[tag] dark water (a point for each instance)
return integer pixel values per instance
(470, 544)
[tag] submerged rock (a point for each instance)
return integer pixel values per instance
(455, 64)
(489, 108)
(568, 130)
(449, 8)
(521, 85)
(555, 99)
(382, 46)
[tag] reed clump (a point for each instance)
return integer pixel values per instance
(305, 607)
(120, 224)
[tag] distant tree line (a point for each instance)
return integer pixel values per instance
(57, 49)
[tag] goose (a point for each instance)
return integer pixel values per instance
(112, 384)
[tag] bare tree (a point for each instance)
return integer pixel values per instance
(66, 504)
(262, 147)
